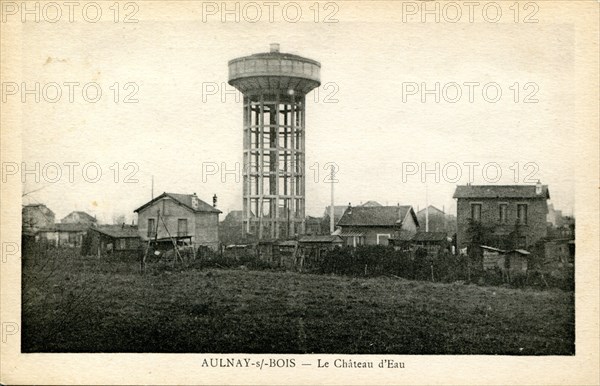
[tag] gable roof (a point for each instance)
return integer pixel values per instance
(82, 215)
(500, 191)
(376, 216)
(371, 203)
(182, 199)
(117, 231)
(432, 209)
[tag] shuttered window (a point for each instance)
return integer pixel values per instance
(476, 212)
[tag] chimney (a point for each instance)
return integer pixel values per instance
(349, 210)
(215, 201)
(274, 47)
(538, 188)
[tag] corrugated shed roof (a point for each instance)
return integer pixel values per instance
(185, 200)
(117, 231)
(500, 191)
(320, 239)
(376, 215)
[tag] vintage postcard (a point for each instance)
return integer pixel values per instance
(299, 192)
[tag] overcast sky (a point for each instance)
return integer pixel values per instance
(367, 129)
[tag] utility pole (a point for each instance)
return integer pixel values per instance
(426, 209)
(331, 207)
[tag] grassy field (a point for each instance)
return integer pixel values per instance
(87, 305)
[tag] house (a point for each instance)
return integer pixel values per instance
(433, 219)
(108, 239)
(375, 225)
(432, 242)
(314, 226)
(180, 216)
(231, 228)
(338, 212)
(35, 217)
(78, 217)
(515, 215)
(68, 235)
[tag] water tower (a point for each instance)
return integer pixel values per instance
(274, 86)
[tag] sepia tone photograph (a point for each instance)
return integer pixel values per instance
(324, 189)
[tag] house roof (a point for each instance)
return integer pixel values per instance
(432, 209)
(39, 207)
(500, 191)
(320, 239)
(350, 233)
(429, 236)
(313, 220)
(236, 216)
(83, 215)
(182, 199)
(117, 231)
(338, 210)
(70, 227)
(371, 203)
(376, 216)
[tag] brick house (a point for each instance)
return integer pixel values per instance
(375, 225)
(506, 210)
(181, 216)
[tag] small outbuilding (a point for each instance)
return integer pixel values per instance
(108, 239)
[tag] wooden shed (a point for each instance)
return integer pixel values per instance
(108, 239)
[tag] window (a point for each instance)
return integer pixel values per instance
(502, 213)
(182, 229)
(383, 239)
(476, 212)
(151, 227)
(121, 244)
(522, 213)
